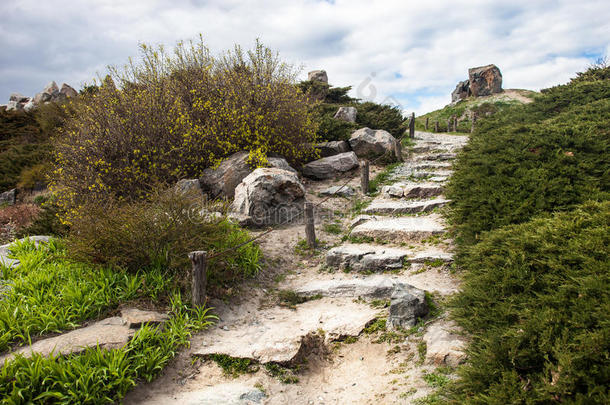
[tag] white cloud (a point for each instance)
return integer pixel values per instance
(417, 50)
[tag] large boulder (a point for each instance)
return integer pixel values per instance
(462, 91)
(371, 143)
(67, 91)
(346, 114)
(269, 196)
(331, 166)
(485, 80)
(332, 148)
(221, 182)
(49, 93)
(20, 98)
(318, 76)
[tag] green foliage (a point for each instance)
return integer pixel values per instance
(171, 116)
(436, 380)
(47, 293)
(335, 229)
(382, 178)
(381, 116)
(549, 155)
(161, 232)
(286, 375)
(101, 376)
(536, 299)
(291, 299)
(47, 221)
(234, 366)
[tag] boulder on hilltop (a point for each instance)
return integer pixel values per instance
(482, 81)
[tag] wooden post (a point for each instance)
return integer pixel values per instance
(474, 119)
(426, 125)
(412, 126)
(199, 277)
(364, 176)
(398, 150)
(455, 122)
(310, 231)
(435, 126)
(449, 124)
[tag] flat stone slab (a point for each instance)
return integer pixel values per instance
(399, 229)
(364, 257)
(385, 206)
(340, 191)
(370, 287)
(227, 393)
(412, 190)
(277, 334)
(431, 255)
(443, 345)
(135, 318)
(440, 156)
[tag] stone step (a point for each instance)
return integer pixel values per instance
(412, 190)
(441, 157)
(399, 229)
(427, 165)
(385, 206)
(277, 334)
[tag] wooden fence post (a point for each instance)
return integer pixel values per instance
(426, 125)
(412, 126)
(455, 122)
(310, 231)
(449, 124)
(199, 277)
(435, 126)
(364, 176)
(474, 119)
(398, 150)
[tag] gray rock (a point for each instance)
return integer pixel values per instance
(29, 106)
(370, 143)
(462, 91)
(346, 114)
(134, 318)
(363, 257)
(393, 190)
(221, 182)
(380, 287)
(188, 186)
(67, 90)
(422, 190)
(485, 80)
(383, 206)
(333, 148)
(341, 191)
(318, 76)
(399, 229)
(20, 98)
(331, 166)
(407, 305)
(14, 106)
(269, 196)
(8, 197)
(280, 163)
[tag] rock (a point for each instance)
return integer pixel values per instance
(444, 347)
(441, 156)
(19, 98)
(68, 91)
(318, 76)
(221, 182)
(279, 334)
(333, 148)
(331, 166)
(110, 333)
(14, 106)
(376, 287)
(188, 186)
(393, 190)
(407, 305)
(231, 393)
(370, 143)
(269, 196)
(29, 106)
(462, 91)
(485, 80)
(51, 89)
(399, 229)
(423, 190)
(383, 206)
(341, 191)
(431, 255)
(360, 219)
(346, 114)
(8, 197)
(364, 257)
(134, 318)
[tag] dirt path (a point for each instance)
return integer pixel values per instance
(321, 320)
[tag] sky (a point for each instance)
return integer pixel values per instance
(404, 52)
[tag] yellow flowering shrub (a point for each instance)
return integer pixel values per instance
(172, 115)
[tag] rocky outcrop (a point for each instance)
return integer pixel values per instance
(462, 91)
(485, 80)
(51, 92)
(331, 166)
(370, 143)
(318, 76)
(332, 148)
(269, 196)
(222, 181)
(8, 197)
(347, 114)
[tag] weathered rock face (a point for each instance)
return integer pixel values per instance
(67, 90)
(269, 196)
(332, 148)
(338, 191)
(221, 182)
(462, 91)
(485, 80)
(188, 186)
(407, 305)
(370, 143)
(346, 114)
(331, 166)
(318, 76)
(8, 197)
(50, 93)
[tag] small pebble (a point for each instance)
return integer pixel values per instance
(225, 328)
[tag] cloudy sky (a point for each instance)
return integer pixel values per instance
(403, 51)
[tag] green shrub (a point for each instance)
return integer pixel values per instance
(536, 299)
(537, 158)
(170, 117)
(34, 176)
(381, 116)
(160, 232)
